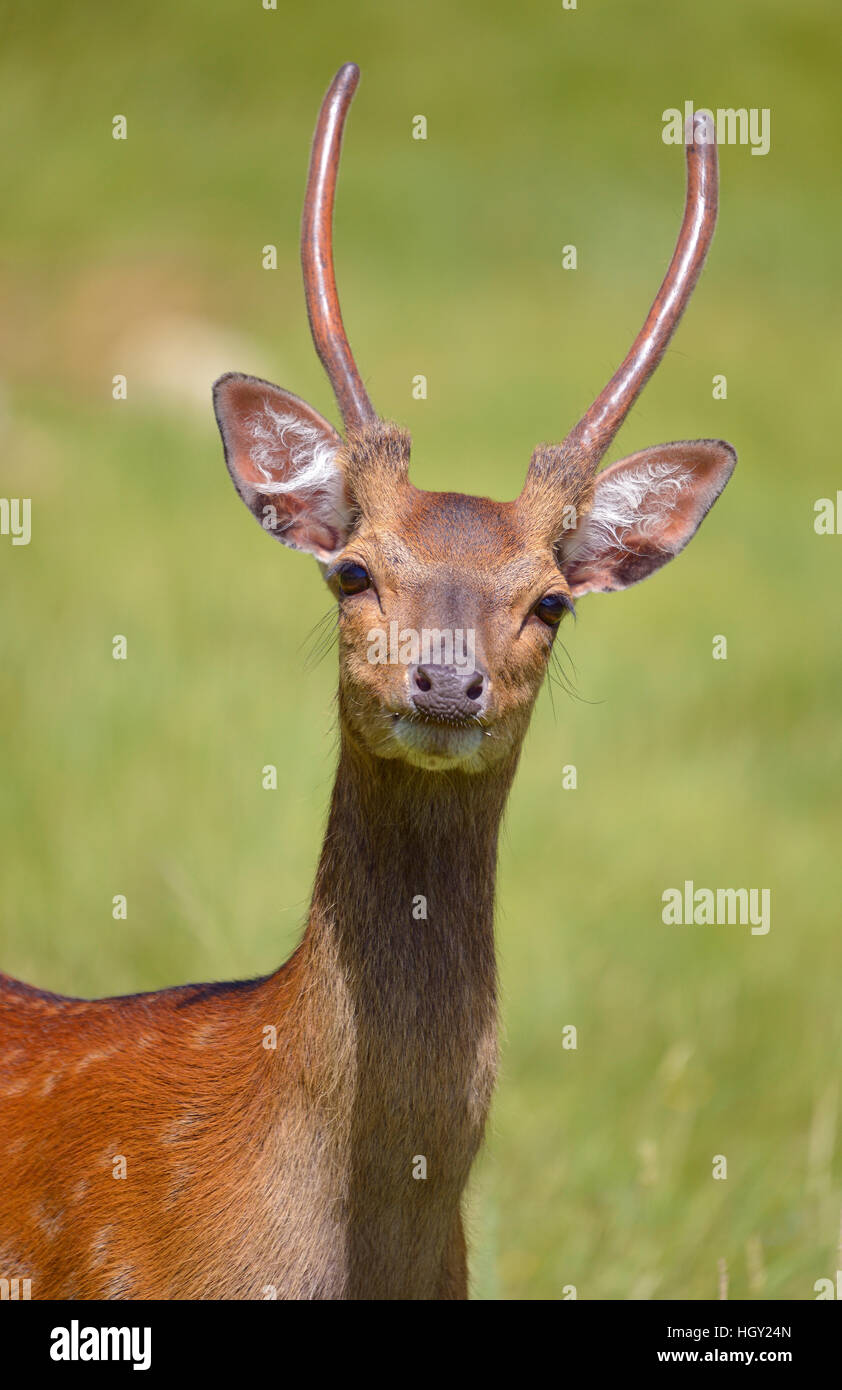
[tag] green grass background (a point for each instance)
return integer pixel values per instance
(143, 777)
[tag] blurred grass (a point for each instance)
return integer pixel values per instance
(143, 777)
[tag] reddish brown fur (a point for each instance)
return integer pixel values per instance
(291, 1168)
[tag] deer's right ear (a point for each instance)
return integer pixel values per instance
(283, 457)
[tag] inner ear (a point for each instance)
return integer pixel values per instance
(285, 461)
(646, 508)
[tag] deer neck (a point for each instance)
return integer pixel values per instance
(404, 892)
(387, 1034)
(398, 964)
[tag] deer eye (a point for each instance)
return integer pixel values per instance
(353, 579)
(552, 609)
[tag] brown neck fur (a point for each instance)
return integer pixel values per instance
(400, 1012)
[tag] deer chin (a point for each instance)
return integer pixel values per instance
(436, 745)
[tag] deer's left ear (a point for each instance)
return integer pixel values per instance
(283, 457)
(646, 508)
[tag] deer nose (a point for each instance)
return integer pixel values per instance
(448, 692)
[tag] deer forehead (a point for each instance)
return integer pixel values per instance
(470, 539)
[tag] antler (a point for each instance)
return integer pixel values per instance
(590, 438)
(317, 253)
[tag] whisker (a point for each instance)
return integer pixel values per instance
(321, 638)
(560, 677)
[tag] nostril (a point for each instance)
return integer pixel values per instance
(447, 691)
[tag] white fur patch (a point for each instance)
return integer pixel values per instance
(312, 469)
(635, 501)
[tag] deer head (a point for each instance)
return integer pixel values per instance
(405, 562)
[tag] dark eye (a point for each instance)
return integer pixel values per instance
(353, 579)
(552, 609)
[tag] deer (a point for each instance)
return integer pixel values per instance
(310, 1134)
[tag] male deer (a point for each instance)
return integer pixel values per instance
(296, 1168)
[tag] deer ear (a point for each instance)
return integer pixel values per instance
(283, 458)
(646, 508)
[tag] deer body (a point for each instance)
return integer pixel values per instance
(294, 1161)
(310, 1134)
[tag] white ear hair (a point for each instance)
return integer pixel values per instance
(631, 502)
(313, 467)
